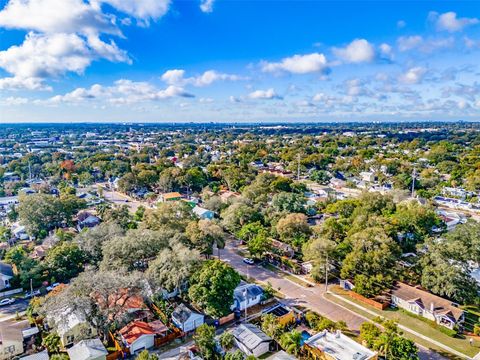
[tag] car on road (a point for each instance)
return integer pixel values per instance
(7, 301)
(30, 294)
(248, 261)
(53, 286)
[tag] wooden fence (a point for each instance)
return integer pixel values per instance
(371, 302)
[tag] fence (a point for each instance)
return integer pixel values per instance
(175, 334)
(371, 302)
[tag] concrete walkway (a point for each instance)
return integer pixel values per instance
(404, 328)
(308, 297)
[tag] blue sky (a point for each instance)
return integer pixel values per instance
(243, 61)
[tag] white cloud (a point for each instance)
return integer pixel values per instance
(413, 75)
(298, 64)
(416, 42)
(145, 10)
(65, 36)
(206, 5)
(122, 91)
(18, 83)
(450, 22)
(11, 100)
(55, 16)
(52, 55)
(264, 94)
(358, 51)
(406, 43)
(177, 77)
(386, 51)
(401, 24)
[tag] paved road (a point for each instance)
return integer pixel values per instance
(311, 298)
(8, 311)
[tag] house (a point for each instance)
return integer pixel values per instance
(186, 319)
(20, 233)
(367, 176)
(281, 355)
(227, 195)
(246, 295)
(284, 314)
(6, 274)
(43, 355)
(139, 335)
(8, 201)
(251, 340)
(89, 222)
(70, 326)
(203, 213)
(338, 183)
(423, 303)
(91, 349)
(11, 338)
(171, 196)
(336, 346)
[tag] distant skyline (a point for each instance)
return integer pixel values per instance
(238, 61)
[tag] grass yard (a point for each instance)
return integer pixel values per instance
(460, 344)
(286, 275)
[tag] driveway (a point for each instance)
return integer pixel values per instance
(311, 298)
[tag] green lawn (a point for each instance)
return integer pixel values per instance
(286, 275)
(460, 344)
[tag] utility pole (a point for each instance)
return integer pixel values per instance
(30, 172)
(246, 303)
(326, 272)
(298, 167)
(31, 287)
(414, 174)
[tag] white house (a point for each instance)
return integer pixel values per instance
(203, 213)
(6, 273)
(367, 176)
(427, 305)
(91, 349)
(139, 335)
(246, 295)
(337, 346)
(186, 319)
(251, 340)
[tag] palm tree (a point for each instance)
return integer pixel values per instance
(227, 340)
(52, 342)
(291, 342)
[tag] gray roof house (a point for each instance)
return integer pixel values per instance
(6, 273)
(246, 295)
(43, 355)
(186, 319)
(251, 340)
(91, 349)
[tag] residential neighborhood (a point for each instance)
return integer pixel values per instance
(171, 245)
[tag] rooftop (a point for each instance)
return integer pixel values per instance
(339, 346)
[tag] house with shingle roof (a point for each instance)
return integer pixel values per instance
(427, 305)
(251, 340)
(91, 349)
(139, 335)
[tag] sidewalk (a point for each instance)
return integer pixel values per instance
(404, 328)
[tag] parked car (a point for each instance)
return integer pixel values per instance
(248, 261)
(53, 286)
(7, 301)
(30, 294)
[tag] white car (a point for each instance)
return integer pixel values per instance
(29, 294)
(53, 286)
(7, 301)
(248, 261)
